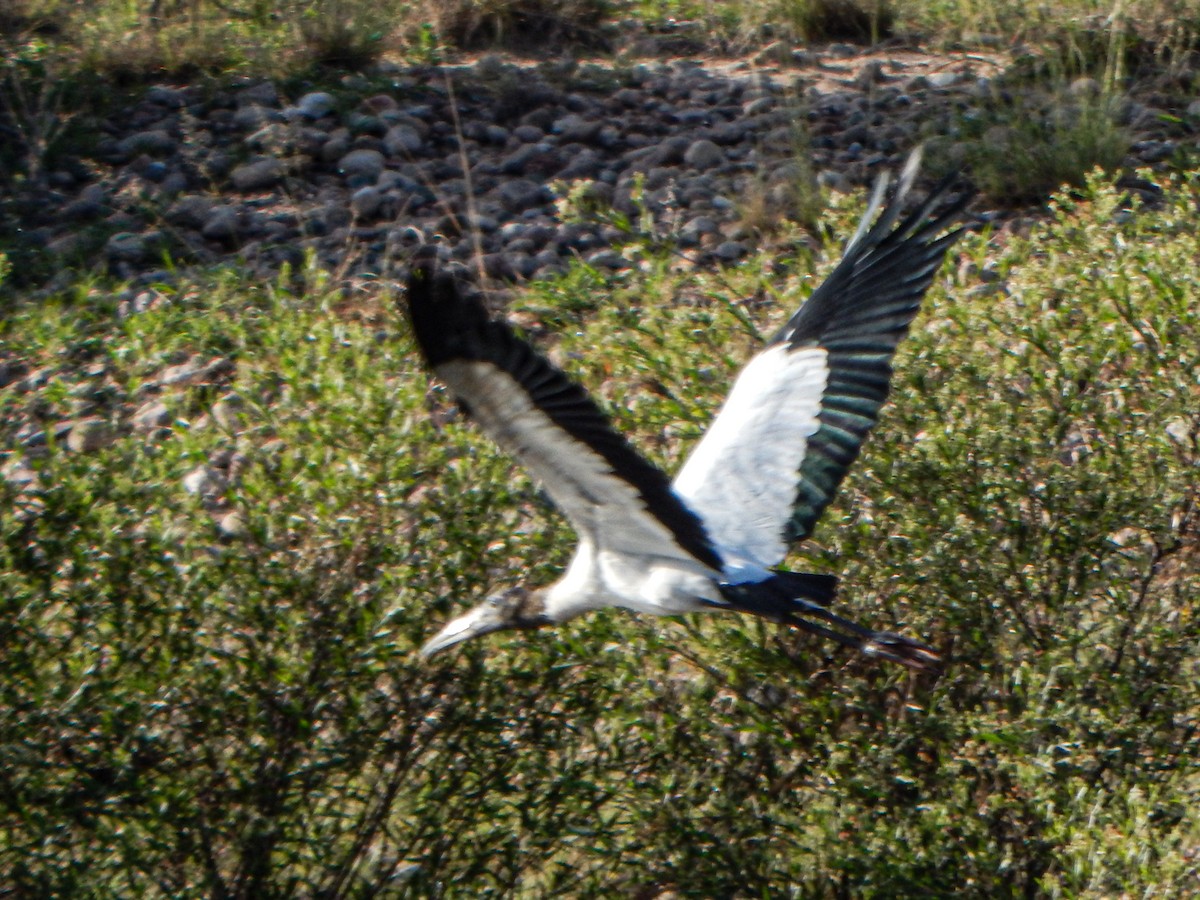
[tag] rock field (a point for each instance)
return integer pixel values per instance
(477, 156)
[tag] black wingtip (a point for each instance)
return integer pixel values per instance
(442, 314)
(883, 251)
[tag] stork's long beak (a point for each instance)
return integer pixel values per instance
(483, 619)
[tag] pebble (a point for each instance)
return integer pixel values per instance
(368, 176)
(151, 415)
(703, 154)
(366, 202)
(90, 434)
(522, 194)
(249, 118)
(170, 97)
(402, 140)
(232, 525)
(316, 105)
(204, 481)
(229, 412)
(361, 165)
(20, 475)
(259, 175)
(729, 251)
(156, 142)
(126, 247)
(778, 53)
(263, 93)
(221, 224)
(943, 80)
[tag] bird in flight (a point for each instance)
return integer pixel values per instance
(756, 483)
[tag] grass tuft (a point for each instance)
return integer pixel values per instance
(519, 24)
(1021, 147)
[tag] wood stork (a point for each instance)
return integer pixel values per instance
(756, 482)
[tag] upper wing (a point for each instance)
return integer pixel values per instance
(610, 493)
(799, 412)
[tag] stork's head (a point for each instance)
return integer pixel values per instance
(513, 608)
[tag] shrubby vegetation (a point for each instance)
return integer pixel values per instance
(208, 679)
(192, 704)
(136, 39)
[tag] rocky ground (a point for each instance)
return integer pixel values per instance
(478, 157)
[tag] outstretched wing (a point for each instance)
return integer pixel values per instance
(798, 414)
(611, 494)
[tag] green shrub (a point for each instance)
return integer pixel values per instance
(195, 706)
(1022, 147)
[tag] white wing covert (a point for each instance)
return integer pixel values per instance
(798, 414)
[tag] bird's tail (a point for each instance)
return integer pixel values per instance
(800, 599)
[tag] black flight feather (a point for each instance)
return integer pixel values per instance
(451, 326)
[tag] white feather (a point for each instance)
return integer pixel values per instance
(626, 557)
(742, 477)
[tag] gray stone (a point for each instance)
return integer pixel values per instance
(259, 175)
(20, 475)
(575, 129)
(90, 434)
(248, 118)
(703, 154)
(497, 265)
(125, 246)
(316, 105)
(522, 194)
(759, 106)
(777, 53)
(490, 66)
(229, 412)
(1179, 430)
(191, 211)
(204, 481)
(483, 223)
(155, 142)
(728, 133)
(1154, 151)
(11, 371)
(170, 97)
(151, 415)
(232, 525)
(607, 259)
(182, 373)
(362, 164)
(528, 134)
(261, 94)
(277, 137)
(834, 180)
(694, 117)
(366, 201)
(402, 140)
(870, 74)
(700, 225)
(729, 251)
(586, 164)
(221, 224)
(943, 80)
